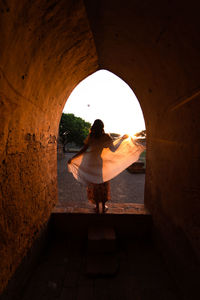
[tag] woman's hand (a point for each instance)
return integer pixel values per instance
(125, 136)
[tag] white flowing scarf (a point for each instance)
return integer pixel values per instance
(105, 159)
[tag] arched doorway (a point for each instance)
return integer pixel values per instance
(105, 96)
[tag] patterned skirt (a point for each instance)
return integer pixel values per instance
(98, 192)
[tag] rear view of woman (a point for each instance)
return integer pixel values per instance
(100, 160)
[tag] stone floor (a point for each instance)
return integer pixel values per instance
(126, 188)
(113, 208)
(61, 274)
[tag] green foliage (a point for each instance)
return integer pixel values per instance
(143, 155)
(73, 129)
(141, 134)
(114, 135)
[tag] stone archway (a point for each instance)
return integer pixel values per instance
(47, 49)
(106, 96)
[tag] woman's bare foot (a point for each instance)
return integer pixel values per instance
(96, 209)
(105, 208)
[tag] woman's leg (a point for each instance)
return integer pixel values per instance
(99, 193)
(106, 196)
(104, 207)
(97, 207)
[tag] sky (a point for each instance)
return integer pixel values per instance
(105, 96)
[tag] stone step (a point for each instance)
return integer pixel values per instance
(101, 259)
(137, 167)
(135, 224)
(101, 239)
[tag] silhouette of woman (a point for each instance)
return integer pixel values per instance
(100, 160)
(96, 140)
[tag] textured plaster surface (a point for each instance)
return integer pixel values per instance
(154, 47)
(46, 50)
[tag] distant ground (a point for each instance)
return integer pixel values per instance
(125, 188)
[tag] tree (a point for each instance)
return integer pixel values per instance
(114, 135)
(73, 129)
(141, 134)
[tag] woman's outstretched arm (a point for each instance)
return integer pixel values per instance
(113, 147)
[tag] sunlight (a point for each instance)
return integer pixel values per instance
(105, 96)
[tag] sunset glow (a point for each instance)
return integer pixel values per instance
(105, 96)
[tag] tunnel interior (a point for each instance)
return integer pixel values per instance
(47, 48)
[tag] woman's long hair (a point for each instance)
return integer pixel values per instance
(97, 129)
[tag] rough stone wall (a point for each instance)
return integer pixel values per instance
(46, 50)
(154, 46)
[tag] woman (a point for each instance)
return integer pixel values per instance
(97, 140)
(100, 160)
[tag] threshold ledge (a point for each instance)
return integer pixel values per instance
(113, 209)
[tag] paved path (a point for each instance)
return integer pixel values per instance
(125, 188)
